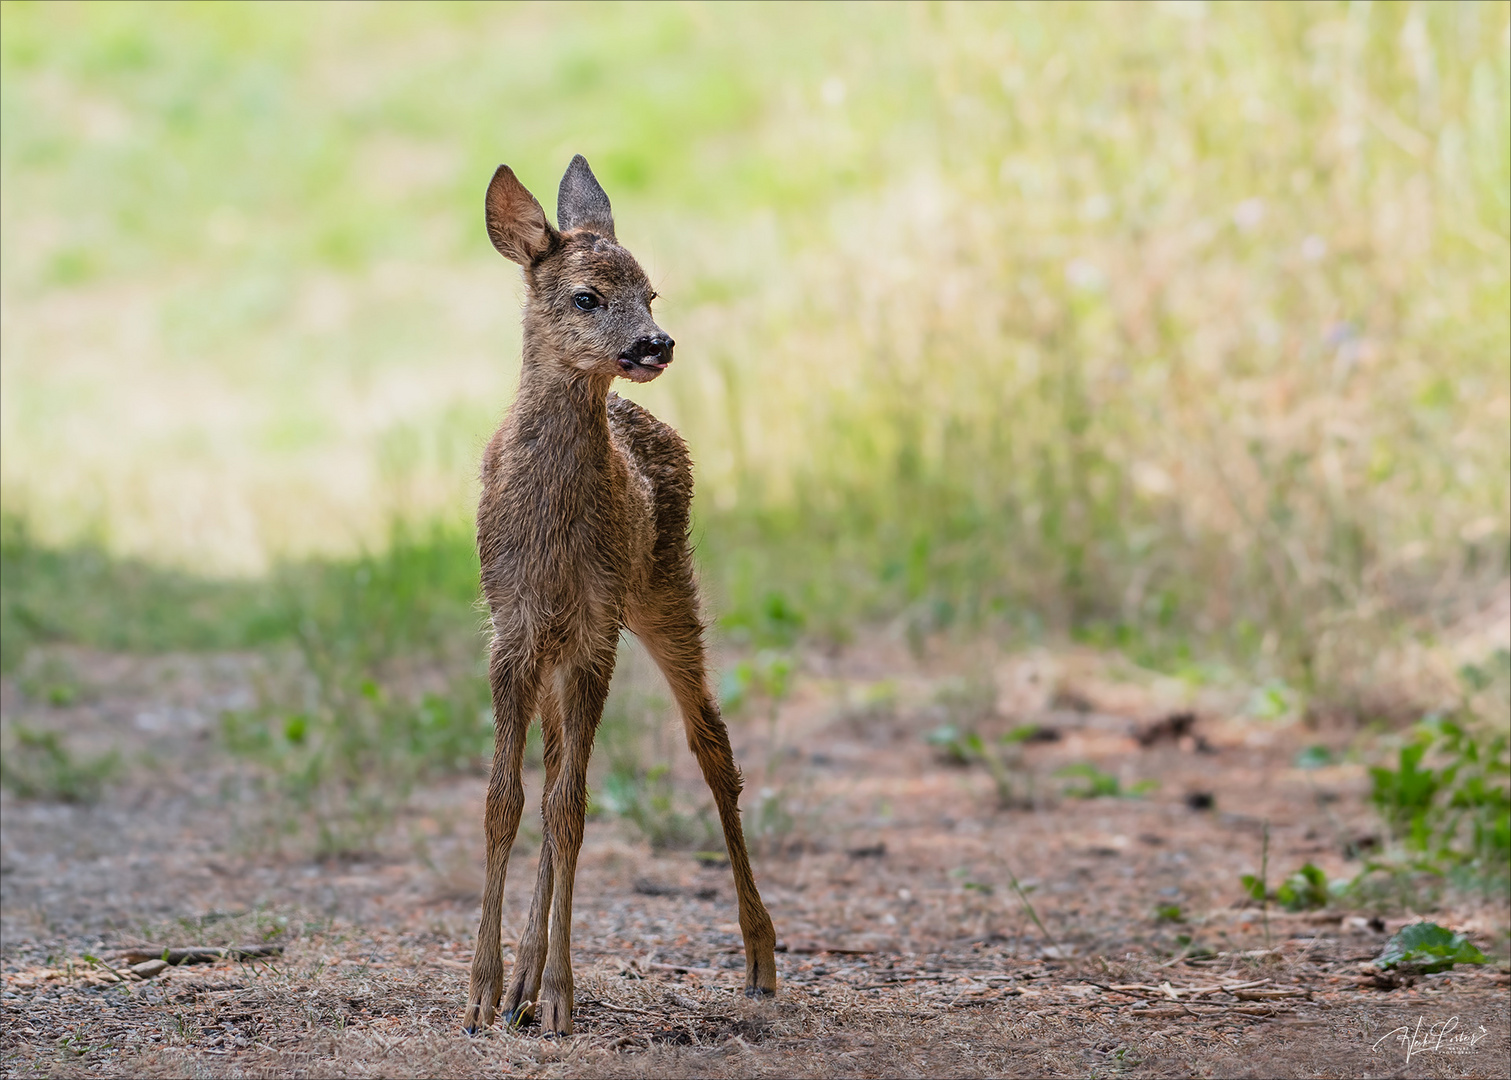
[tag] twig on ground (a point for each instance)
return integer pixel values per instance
(1032, 914)
(1165, 990)
(681, 969)
(1264, 883)
(199, 955)
(1271, 995)
(96, 960)
(619, 1008)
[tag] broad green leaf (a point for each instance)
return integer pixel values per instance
(1428, 947)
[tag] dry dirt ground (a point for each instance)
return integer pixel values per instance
(906, 948)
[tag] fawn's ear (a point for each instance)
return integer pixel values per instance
(516, 223)
(581, 203)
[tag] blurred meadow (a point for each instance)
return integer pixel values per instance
(1182, 328)
(1174, 329)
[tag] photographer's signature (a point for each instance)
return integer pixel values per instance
(1446, 1038)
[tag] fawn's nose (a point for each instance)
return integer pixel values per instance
(655, 349)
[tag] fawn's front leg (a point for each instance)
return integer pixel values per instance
(530, 955)
(514, 685)
(585, 688)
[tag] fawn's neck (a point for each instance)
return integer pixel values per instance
(561, 415)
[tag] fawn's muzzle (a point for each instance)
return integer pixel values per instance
(647, 358)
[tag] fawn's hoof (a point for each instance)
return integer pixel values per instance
(555, 1016)
(479, 1015)
(759, 992)
(520, 1015)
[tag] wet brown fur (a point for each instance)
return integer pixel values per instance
(582, 531)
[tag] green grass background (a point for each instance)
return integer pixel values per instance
(1178, 327)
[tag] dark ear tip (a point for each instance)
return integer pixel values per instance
(581, 201)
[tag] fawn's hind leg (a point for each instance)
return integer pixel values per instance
(530, 956)
(514, 689)
(672, 633)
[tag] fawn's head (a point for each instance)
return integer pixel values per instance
(587, 295)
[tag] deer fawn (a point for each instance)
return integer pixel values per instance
(582, 531)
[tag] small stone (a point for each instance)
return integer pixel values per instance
(147, 969)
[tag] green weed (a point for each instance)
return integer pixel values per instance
(1426, 947)
(1258, 886)
(1096, 784)
(1002, 759)
(1446, 808)
(955, 747)
(648, 800)
(1446, 801)
(772, 622)
(772, 824)
(640, 792)
(1313, 757)
(965, 705)
(767, 675)
(53, 681)
(37, 765)
(1305, 889)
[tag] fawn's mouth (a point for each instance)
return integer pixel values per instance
(641, 369)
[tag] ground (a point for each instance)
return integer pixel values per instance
(907, 898)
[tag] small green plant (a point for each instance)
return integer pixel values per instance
(966, 877)
(773, 620)
(1274, 701)
(1426, 947)
(1060, 952)
(1314, 757)
(1002, 759)
(1097, 784)
(1304, 889)
(643, 793)
(1258, 887)
(766, 675)
(954, 747)
(767, 830)
(53, 681)
(1404, 795)
(1490, 674)
(647, 799)
(1446, 802)
(1169, 913)
(37, 765)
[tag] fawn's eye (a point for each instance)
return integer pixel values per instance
(585, 301)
